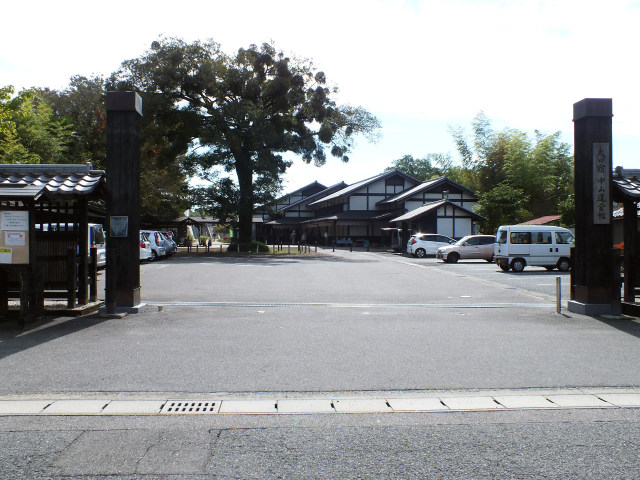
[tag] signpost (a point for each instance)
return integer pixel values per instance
(595, 278)
(124, 111)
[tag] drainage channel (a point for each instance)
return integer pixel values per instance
(348, 305)
(447, 402)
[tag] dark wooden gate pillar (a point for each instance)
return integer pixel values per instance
(630, 249)
(594, 266)
(124, 112)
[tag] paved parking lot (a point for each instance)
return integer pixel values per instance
(344, 365)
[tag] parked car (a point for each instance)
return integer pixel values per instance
(156, 239)
(169, 243)
(422, 244)
(535, 245)
(145, 247)
(344, 242)
(471, 246)
(97, 241)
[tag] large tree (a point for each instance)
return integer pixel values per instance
(29, 130)
(163, 185)
(241, 113)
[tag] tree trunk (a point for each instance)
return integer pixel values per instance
(245, 206)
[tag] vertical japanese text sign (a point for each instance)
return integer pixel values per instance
(601, 179)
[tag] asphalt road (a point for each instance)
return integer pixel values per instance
(355, 323)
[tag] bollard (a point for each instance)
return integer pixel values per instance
(558, 295)
(334, 246)
(220, 248)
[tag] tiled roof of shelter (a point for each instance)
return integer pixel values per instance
(54, 181)
(627, 182)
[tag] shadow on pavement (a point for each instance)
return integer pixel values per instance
(14, 339)
(627, 325)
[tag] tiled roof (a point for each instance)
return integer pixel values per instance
(345, 192)
(627, 182)
(316, 196)
(432, 206)
(54, 181)
(427, 185)
(542, 220)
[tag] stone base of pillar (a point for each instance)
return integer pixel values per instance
(594, 308)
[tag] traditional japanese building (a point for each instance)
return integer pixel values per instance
(366, 210)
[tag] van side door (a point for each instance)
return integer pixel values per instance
(543, 248)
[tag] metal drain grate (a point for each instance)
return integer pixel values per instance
(190, 407)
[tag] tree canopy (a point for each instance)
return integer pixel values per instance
(29, 130)
(517, 177)
(240, 114)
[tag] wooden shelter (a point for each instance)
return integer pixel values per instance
(626, 190)
(44, 244)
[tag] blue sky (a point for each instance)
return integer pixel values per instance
(419, 66)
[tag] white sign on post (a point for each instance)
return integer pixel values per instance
(15, 220)
(601, 179)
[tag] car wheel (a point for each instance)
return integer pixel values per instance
(154, 255)
(453, 257)
(564, 265)
(420, 253)
(517, 265)
(504, 268)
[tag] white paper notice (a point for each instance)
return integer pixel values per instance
(5, 255)
(15, 239)
(14, 220)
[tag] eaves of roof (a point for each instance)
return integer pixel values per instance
(421, 188)
(627, 183)
(315, 197)
(429, 207)
(53, 181)
(363, 183)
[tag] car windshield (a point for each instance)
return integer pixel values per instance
(462, 241)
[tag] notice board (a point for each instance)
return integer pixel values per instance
(14, 237)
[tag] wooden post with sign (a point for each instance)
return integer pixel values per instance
(124, 112)
(594, 266)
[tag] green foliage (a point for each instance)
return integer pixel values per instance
(567, 210)
(497, 164)
(163, 182)
(240, 113)
(29, 130)
(249, 247)
(502, 205)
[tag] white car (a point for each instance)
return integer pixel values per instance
(423, 244)
(145, 248)
(157, 243)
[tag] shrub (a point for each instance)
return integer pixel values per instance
(251, 246)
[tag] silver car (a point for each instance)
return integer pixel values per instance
(471, 246)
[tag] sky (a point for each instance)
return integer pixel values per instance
(420, 66)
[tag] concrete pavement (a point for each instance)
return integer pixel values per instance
(346, 365)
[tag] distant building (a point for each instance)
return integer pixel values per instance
(365, 210)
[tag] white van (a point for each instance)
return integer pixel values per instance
(534, 245)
